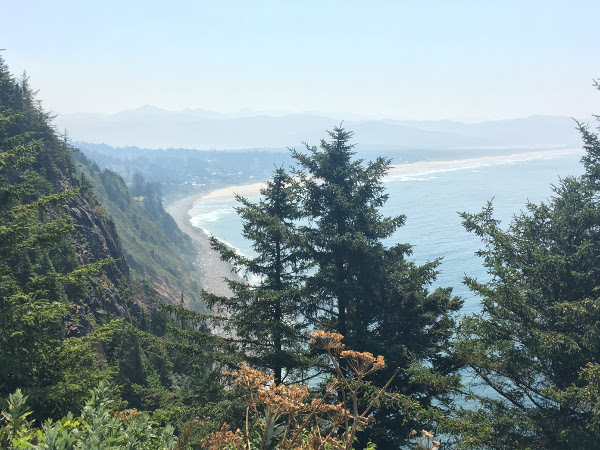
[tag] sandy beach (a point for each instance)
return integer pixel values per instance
(208, 261)
(245, 190)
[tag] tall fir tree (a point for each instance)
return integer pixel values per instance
(342, 198)
(265, 312)
(536, 342)
(371, 293)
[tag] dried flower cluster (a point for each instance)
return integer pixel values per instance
(251, 379)
(127, 415)
(426, 441)
(327, 341)
(363, 363)
(289, 417)
(225, 439)
(284, 399)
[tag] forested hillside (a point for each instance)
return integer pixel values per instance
(71, 315)
(156, 250)
(183, 171)
(62, 267)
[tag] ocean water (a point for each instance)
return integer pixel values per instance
(431, 202)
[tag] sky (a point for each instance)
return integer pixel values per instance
(458, 60)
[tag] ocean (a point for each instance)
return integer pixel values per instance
(431, 200)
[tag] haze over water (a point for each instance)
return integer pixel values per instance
(431, 202)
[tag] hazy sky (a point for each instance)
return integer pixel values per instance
(402, 59)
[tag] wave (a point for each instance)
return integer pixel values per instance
(419, 169)
(210, 214)
(210, 234)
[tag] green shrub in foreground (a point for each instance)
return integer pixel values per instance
(98, 427)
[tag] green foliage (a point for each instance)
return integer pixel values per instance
(265, 316)
(163, 368)
(40, 271)
(62, 288)
(98, 427)
(370, 293)
(151, 197)
(536, 342)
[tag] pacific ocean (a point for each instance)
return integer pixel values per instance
(431, 201)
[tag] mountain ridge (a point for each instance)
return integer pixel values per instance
(152, 127)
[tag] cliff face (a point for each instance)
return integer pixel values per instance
(100, 237)
(94, 240)
(98, 241)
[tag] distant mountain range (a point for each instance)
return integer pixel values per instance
(153, 127)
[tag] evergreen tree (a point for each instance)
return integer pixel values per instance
(342, 198)
(265, 315)
(138, 185)
(368, 292)
(536, 342)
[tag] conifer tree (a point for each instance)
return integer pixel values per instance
(536, 343)
(264, 314)
(370, 293)
(138, 185)
(342, 198)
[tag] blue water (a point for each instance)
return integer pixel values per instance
(431, 202)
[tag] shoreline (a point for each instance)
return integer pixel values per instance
(426, 167)
(209, 261)
(395, 170)
(229, 192)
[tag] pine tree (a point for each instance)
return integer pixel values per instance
(370, 293)
(536, 342)
(265, 314)
(138, 185)
(342, 198)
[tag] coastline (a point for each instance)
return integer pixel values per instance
(229, 192)
(424, 167)
(209, 261)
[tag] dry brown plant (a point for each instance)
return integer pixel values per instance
(186, 435)
(288, 417)
(425, 442)
(225, 439)
(360, 365)
(128, 415)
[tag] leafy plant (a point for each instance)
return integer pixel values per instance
(98, 428)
